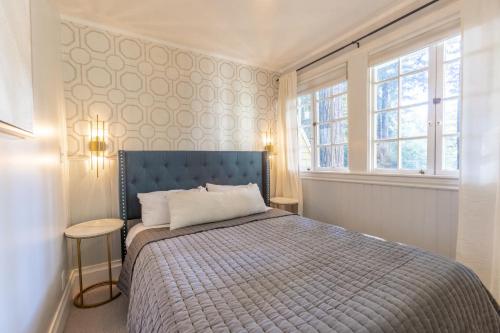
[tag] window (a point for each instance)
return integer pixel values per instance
(323, 128)
(415, 110)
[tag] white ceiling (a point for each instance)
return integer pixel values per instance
(273, 34)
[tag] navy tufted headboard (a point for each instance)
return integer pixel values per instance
(148, 171)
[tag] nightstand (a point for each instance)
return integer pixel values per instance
(288, 204)
(92, 229)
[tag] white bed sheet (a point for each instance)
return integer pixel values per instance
(136, 229)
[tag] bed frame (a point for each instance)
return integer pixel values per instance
(148, 171)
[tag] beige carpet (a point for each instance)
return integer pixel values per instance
(107, 318)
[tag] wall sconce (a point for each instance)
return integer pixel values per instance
(268, 144)
(97, 145)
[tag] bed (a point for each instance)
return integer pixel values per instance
(276, 271)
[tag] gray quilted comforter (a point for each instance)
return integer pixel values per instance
(284, 273)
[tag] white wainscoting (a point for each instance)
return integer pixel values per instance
(419, 216)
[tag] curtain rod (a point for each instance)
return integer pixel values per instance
(356, 42)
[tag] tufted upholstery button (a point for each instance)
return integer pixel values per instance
(245, 174)
(166, 165)
(251, 162)
(229, 176)
(186, 165)
(177, 179)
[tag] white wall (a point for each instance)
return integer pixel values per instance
(418, 210)
(32, 191)
(423, 217)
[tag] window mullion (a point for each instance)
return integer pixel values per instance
(314, 134)
(372, 156)
(438, 117)
(399, 114)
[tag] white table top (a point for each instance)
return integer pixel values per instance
(93, 228)
(284, 201)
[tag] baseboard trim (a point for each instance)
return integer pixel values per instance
(90, 274)
(62, 311)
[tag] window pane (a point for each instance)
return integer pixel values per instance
(414, 88)
(332, 108)
(450, 152)
(325, 157)
(386, 71)
(346, 155)
(340, 88)
(333, 90)
(305, 142)
(387, 95)
(339, 107)
(413, 122)
(387, 155)
(414, 154)
(304, 108)
(386, 125)
(452, 48)
(415, 61)
(324, 93)
(340, 156)
(340, 132)
(450, 116)
(305, 161)
(325, 134)
(306, 134)
(324, 106)
(452, 79)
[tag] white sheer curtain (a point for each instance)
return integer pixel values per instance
(287, 182)
(478, 243)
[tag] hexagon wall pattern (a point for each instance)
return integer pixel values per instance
(155, 97)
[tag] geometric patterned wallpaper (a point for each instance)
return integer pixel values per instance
(156, 97)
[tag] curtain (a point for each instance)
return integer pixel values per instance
(287, 181)
(478, 241)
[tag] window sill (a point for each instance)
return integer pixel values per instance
(449, 183)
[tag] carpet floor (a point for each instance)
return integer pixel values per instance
(107, 318)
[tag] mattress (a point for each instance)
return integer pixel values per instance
(276, 272)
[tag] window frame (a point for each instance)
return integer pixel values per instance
(315, 126)
(439, 163)
(435, 134)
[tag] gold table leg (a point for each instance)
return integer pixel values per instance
(78, 243)
(78, 300)
(109, 268)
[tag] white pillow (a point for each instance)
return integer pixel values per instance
(222, 188)
(154, 206)
(191, 208)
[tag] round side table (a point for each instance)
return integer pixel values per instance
(92, 229)
(288, 204)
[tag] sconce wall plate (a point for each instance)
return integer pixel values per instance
(269, 148)
(97, 146)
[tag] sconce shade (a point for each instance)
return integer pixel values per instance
(97, 145)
